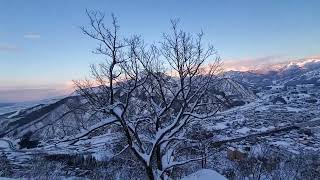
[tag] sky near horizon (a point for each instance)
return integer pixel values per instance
(42, 48)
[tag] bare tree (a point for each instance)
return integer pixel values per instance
(153, 93)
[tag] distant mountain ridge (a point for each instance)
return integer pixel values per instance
(51, 119)
(291, 73)
(5, 104)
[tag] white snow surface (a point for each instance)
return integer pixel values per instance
(243, 130)
(3, 144)
(220, 125)
(205, 174)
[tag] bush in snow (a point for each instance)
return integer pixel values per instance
(5, 166)
(26, 141)
(39, 168)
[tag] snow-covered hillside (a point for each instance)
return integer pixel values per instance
(288, 74)
(277, 109)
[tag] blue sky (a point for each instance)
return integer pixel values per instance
(42, 48)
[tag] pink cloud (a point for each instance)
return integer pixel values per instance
(262, 63)
(253, 63)
(19, 95)
(33, 92)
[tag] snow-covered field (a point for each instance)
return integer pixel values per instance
(205, 174)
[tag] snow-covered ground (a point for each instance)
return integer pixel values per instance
(205, 174)
(3, 144)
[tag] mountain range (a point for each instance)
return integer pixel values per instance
(49, 118)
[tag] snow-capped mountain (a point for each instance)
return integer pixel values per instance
(288, 74)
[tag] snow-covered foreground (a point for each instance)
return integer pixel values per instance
(205, 174)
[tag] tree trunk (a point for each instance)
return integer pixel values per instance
(149, 173)
(159, 158)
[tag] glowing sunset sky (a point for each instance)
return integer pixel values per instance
(42, 48)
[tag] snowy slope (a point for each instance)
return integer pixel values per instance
(205, 174)
(288, 74)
